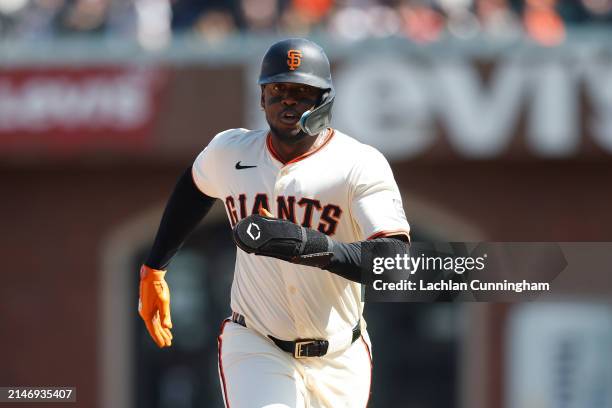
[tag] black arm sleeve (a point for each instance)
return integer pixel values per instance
(346, 258)
(185, 209)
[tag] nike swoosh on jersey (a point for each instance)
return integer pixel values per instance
(240, 167)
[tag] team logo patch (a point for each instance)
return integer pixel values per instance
(294, 59)
(254, 231)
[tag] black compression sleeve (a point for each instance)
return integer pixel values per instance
(185, 209)
(346, 258)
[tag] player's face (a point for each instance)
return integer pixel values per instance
(284, 104)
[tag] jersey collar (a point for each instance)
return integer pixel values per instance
(328, 138)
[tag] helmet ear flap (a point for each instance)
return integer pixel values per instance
(324, 95)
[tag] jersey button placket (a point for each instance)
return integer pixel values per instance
(293, 307)
(293, 299)
(281, 182)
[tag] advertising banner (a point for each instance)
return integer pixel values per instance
(64, 110)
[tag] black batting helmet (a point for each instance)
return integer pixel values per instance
(300, 61)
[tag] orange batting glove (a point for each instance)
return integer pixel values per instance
(265, 213)
(154, 305)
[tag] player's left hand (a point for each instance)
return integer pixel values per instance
(265, 213)
(154, 305)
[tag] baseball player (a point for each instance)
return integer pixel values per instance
(301, 198)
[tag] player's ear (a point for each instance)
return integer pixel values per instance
(262, 101)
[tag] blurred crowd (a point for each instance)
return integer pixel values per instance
(153, 22)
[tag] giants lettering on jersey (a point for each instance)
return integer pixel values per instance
(299, 211)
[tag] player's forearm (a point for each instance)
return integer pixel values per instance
(290, 242)
(185, 209)
(346, 257)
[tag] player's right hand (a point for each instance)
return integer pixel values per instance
(154, 305)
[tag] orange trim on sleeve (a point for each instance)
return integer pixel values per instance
(275, 154)
(389, 233)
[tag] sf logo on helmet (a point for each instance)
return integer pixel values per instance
(294, 59)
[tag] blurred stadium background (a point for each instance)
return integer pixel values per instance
(495, 114)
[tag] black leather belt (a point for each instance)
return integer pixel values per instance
(302, 347)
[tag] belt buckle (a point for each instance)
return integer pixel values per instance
(299, 347)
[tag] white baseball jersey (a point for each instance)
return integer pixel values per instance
(342, 188)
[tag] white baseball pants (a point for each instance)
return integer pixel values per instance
(255, 373)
